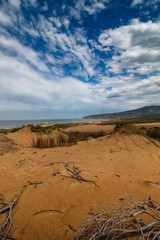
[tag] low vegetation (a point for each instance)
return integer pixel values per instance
(64, 139)
(115, 122)
(50, 128)
(124, 127)
(12, 130)
(154, 133)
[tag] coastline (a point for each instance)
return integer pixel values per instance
(8, 124)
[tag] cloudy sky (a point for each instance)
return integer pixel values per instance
(70, 58)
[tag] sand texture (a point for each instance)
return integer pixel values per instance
(119, 164)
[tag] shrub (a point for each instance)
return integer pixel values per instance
(154, 133)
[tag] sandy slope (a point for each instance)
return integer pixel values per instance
(119, 164)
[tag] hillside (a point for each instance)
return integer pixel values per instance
(147, 112)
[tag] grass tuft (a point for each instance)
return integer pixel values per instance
(64, 139)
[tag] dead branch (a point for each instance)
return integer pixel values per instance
(140, 219)
(48, 210)
(75, 174)
(6, 226)
(34, 183)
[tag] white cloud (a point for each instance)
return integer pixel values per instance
(56, 21)
(20, 83)
(73, 46)
(15, 3)
(137, 45)
(22, 88)
(45, 7)
(92, 7)
(22, 52)
(148, 4)
(66, 22)
(135, 2)
(32, 2)
(5, 19)
(95, 7)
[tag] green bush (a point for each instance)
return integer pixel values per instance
(154, 133)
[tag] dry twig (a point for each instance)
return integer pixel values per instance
(34, 183)
(6, 226)
(67, 211)
(48, 210)
(75, 174)
(140, 219)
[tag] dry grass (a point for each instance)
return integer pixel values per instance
(45, 141)
(64, 139)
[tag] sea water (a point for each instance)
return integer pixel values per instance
(7, 124)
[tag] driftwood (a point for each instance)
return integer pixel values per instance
(75, 174)
(34, 183)
(6, 226)
(135, 219)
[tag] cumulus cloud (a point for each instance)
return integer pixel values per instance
(136, 47)
(19, 82)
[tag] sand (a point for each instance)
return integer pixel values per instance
(121, 165)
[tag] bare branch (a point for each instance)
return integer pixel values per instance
(123, 222)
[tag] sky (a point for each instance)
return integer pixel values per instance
(71, 58)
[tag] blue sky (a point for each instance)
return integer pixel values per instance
(66, 58)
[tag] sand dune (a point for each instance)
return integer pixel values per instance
(120, 165)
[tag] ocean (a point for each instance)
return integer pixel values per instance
(7, 124)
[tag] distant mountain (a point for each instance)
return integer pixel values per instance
(147, 112)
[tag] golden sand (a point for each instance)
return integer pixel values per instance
(119, 164)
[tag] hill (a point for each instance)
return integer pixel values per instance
(147, 112)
